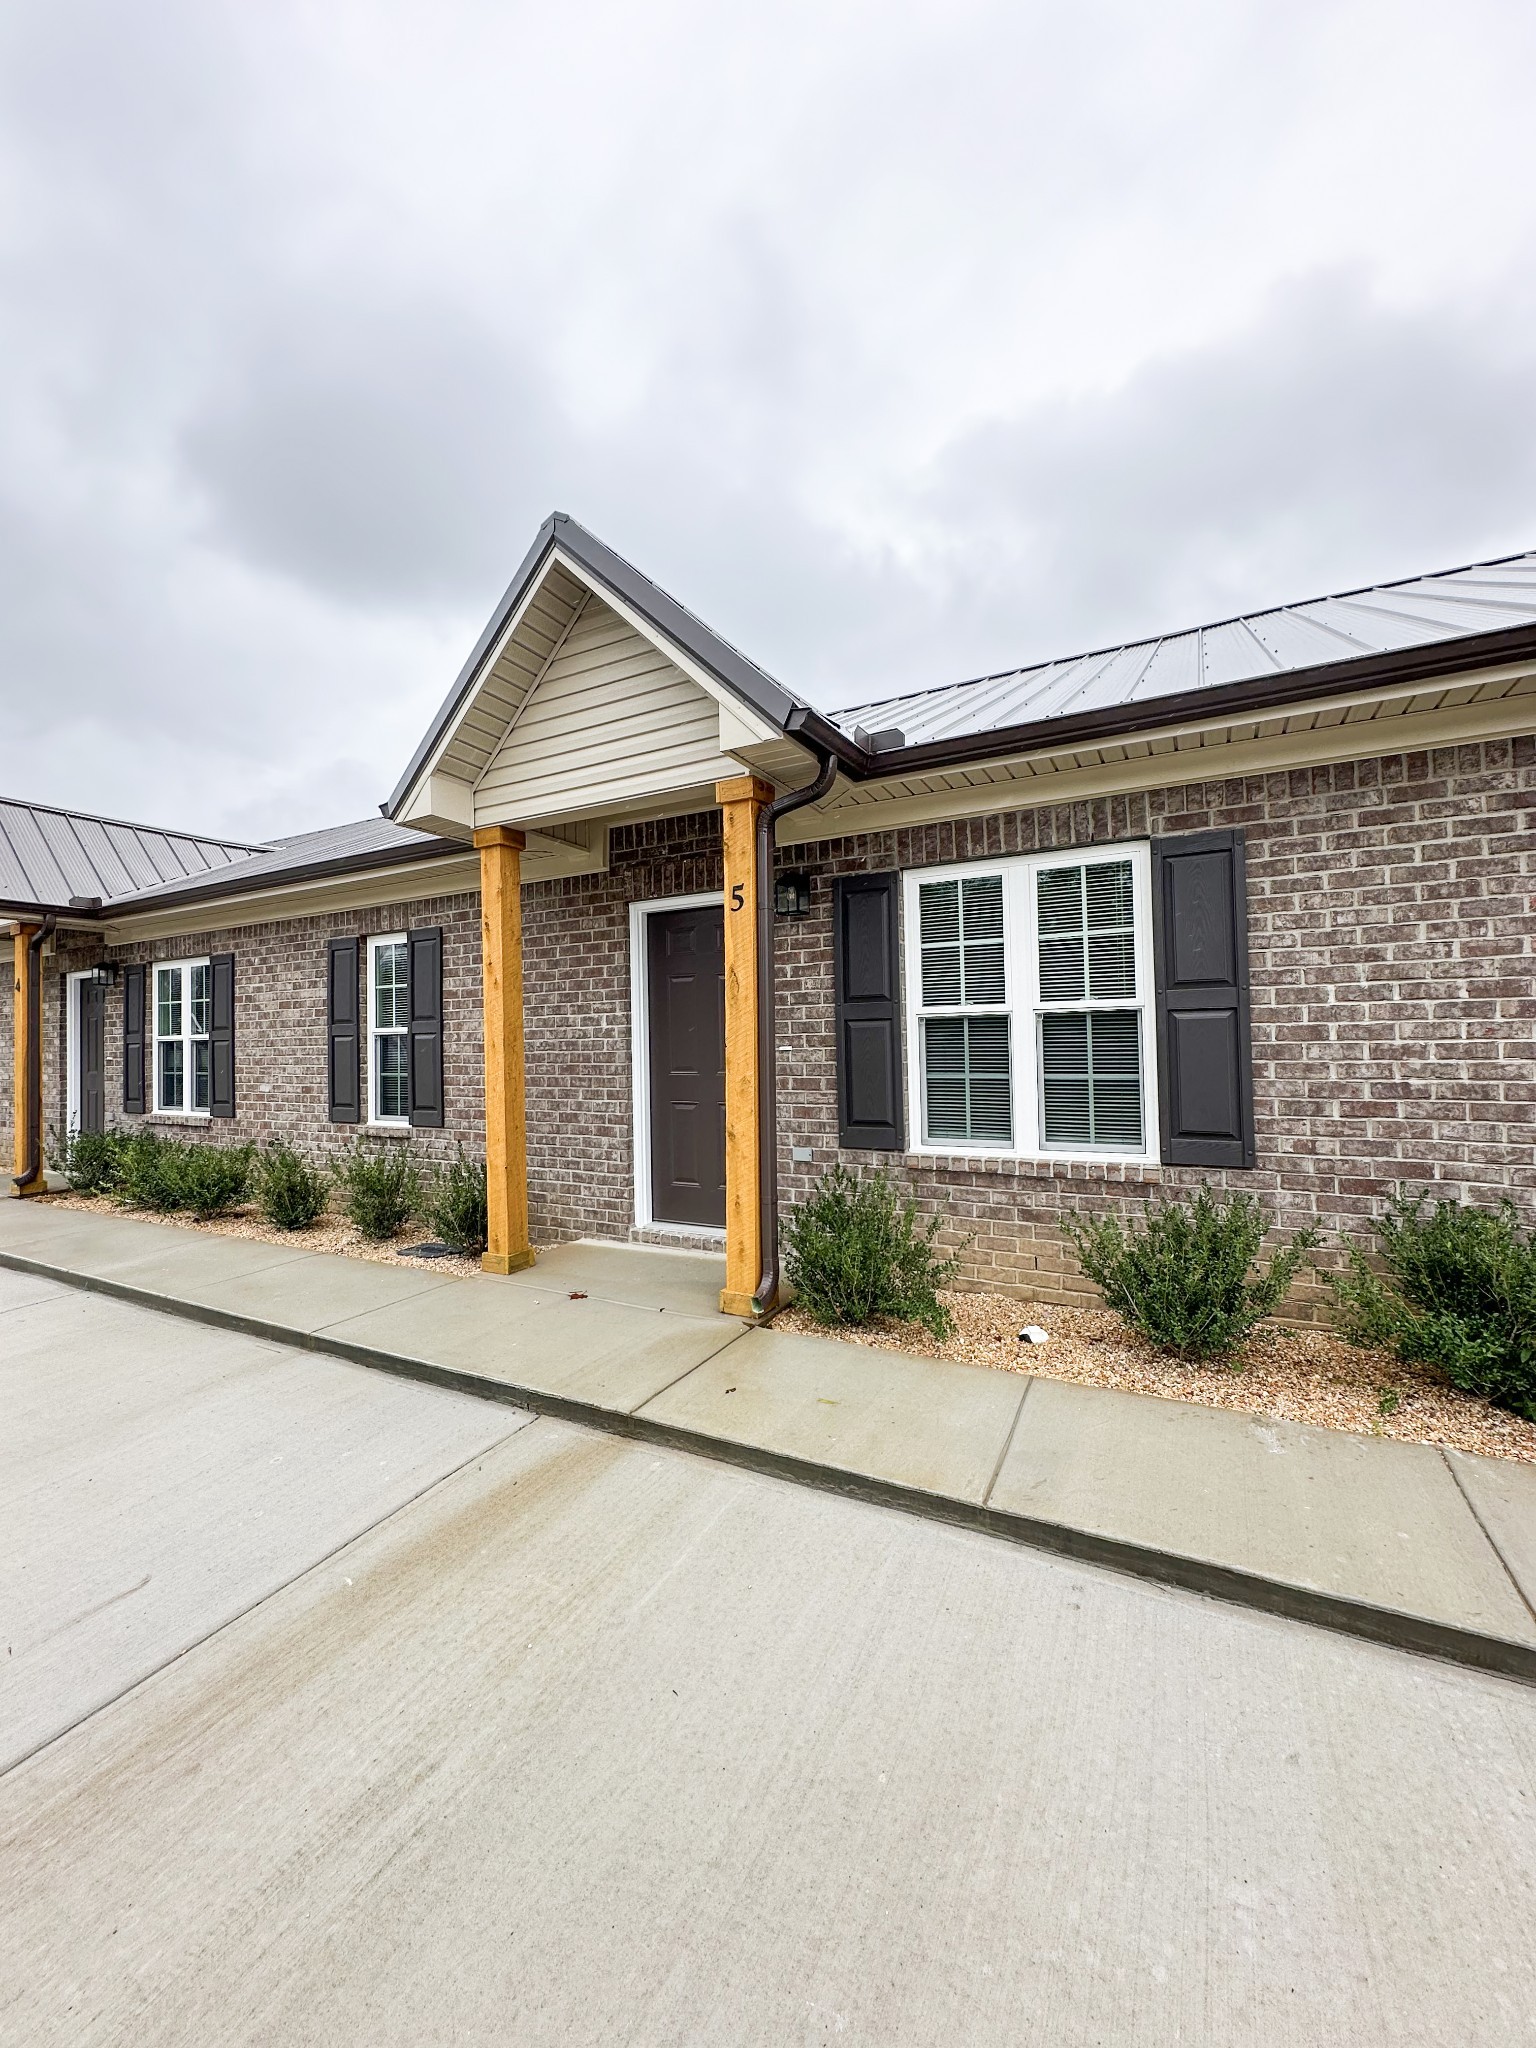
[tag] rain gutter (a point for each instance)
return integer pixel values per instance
(800, 726)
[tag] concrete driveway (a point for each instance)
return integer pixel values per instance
(596, 1742)
(156, 1480)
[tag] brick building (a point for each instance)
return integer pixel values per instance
(1251, 905)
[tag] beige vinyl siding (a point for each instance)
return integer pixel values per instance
(504, 688)
(612, 720)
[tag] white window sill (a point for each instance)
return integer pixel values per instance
(391, 1129)
(955, 1159)
(179, 1116)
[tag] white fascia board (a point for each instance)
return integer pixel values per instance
(441, 804)
(453, 875)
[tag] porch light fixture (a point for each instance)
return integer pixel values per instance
(792, 894)
(102, 975)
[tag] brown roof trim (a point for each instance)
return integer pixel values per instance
(1257, 693)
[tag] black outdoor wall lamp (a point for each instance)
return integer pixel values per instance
(792, 894)
(102, 975)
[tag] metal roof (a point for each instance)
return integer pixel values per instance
(1322, 636)
(307, 856)
(49, 856)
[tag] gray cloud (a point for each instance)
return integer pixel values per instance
(899, 345)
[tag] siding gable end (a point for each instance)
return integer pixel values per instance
(611, 720)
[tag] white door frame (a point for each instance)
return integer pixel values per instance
(640, 1052)
(72, 986)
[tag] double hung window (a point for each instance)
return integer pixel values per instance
(183, 1003)
(388, 1017)
(1029, 983)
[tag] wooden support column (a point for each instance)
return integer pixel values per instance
(741, 799)
(506, 1104)
(27, 1113)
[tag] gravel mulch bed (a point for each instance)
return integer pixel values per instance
(1295, 1375)
(331, 1234)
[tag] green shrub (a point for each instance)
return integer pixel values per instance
(289, 1191)
(855, 1250)
(456, 1205)
(149, 1173)
(1180, 1276)
(380, 1190)
(211, 1178)
(158, 1173)
(1459, 1294)
(90, 1161)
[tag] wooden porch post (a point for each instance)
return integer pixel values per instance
(741, 798)
(506, 1109)
(25, 1110)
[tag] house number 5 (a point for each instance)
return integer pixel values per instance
(738, 896)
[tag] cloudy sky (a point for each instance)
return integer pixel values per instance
(900, 341)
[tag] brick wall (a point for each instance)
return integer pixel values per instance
(280, 1027)
(1392, 936)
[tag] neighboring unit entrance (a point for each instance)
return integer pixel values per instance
(685, 952)
(93, 1056)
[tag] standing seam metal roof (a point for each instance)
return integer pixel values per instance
(1384, 618)
(48, 856)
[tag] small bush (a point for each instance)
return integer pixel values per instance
(1459, 1294)
(855, 1250)
(212, 1178)
(90, 1161)
(456, 1205)
(149, 1173)
(289, 1191)
(1180, 1276)
(158, 1173)
(380, 1190)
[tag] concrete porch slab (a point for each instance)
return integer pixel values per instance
(160, 1266)
(1374, 1520)
(886, 1414)
(306, 1293)
(643, 1276)
(24, 1224)
(1503, 1497)
(601, 1352)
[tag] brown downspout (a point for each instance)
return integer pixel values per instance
(34, 1104)
(766, 1297)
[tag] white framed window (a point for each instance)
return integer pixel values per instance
(183, 1010)
(389, 1097)
(1029, 1005)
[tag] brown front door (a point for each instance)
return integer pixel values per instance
(686, 957)
(93, 1057)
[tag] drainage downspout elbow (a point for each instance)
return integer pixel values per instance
(766, 1297)
(34, 1083)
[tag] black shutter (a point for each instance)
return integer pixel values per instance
(221, 1036)
(1200, 952)
(133, 1040)
(424, 975)
(867, 954)
(343, 1038)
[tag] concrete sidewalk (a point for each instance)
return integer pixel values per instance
(1428, 1550)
